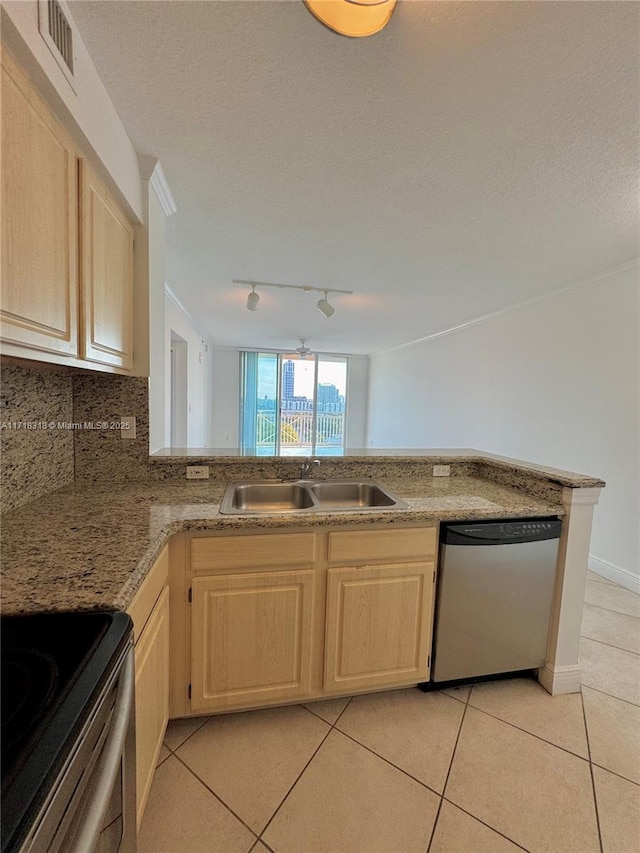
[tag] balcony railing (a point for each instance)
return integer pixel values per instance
(296, 431)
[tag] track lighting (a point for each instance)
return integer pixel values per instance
(252, 299)
(325, 307)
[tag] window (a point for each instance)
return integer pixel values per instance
(292, 406)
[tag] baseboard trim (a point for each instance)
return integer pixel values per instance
(561, 679)
(615, 573)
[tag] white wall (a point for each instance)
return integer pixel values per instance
(199, 374)
(556, 382)
(357, 402)
(226, 397)
(88, 113)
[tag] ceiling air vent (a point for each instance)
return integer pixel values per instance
(57, 32)
(60, 32)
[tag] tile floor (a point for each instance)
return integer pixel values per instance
(499, 767)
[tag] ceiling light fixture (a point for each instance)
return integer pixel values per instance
(353, 18)
(303, 351)
(323, 304)
(325, 307)
(252, 300)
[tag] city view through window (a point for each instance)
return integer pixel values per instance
(292, 405)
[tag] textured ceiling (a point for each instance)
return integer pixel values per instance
(470, 157)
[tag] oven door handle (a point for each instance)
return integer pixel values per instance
(106, 771)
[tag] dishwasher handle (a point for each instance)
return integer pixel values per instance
(506, 532)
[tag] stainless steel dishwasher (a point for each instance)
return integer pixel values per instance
(493, 603)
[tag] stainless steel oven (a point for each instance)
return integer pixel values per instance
(68, 736)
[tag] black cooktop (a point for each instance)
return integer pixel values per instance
(53, 665)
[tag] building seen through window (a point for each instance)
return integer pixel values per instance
(292, 405)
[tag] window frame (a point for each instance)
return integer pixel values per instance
(252, 450)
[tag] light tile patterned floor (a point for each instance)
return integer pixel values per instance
(496, 768)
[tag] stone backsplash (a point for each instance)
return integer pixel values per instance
(101, 453)
(36, 438)
(57, 427)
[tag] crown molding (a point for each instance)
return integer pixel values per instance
(170, 294)
(146, 165)
(151, 170)
(576, 285)
(163, 191)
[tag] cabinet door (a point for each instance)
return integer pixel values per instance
(378, 628)
(152, 696)
(106, 251)
(251, 638)
(39, 222)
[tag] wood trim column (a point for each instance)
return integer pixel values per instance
(561, 673)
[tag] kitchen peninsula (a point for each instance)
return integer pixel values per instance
(90, 545)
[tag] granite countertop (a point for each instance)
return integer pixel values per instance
(381, 456)
(89, 546)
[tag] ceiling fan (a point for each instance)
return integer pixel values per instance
(303, 351)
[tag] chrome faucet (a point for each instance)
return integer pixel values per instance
(306, 467)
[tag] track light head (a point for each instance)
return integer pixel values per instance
(252, 300)
(325, 307)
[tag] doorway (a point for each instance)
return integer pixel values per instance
(179, 384)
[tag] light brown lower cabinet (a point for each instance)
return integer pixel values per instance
(251, 638)
(263, 619)
(152, 696)
(378, 626)
(149, 611)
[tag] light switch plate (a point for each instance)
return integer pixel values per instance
(197, 472)
(128, 427)
(441, 470)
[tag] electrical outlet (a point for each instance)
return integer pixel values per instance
(128, 427)
(441, 470)
(197, 472)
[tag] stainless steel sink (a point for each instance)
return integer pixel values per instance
(268, 497)
(304, 496)
(355, 494)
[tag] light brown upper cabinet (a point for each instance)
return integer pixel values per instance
(39, 222)
(106, 251)
(67, 247)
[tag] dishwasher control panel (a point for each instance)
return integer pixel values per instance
(518, 528)
(501, 532)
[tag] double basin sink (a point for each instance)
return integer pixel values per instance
(273, 496)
